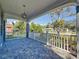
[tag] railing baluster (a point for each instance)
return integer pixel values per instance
(73, 38)
(64, 41)
(67, 43)
(61, 41)
(54, 40)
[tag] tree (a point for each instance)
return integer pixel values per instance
(32, 27)
(35, 27)
(58, 23)
(21, 26)
(70, 26)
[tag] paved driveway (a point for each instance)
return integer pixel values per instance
(26, 49)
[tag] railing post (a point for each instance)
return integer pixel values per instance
(67, 44)
(64, 43)
(54, 40)
(61, 42)
(47, 37)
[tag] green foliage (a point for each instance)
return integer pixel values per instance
(70, 26)
(35, 28)
(58, 23)
(20, 26)
(32, 27)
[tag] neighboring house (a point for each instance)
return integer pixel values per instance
(48, 28)
(9, 29)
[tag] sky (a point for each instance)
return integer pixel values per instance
(42, 20)
(46, 18)
(11, 20)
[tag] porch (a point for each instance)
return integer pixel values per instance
(34, 45)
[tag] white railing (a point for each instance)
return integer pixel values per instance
(64, 41)
(38, 36)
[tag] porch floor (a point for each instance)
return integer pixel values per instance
(26, 49)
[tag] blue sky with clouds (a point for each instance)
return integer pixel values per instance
(45, 19)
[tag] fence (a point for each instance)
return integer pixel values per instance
(16, 35)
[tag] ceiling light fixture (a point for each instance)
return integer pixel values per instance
(24, 15)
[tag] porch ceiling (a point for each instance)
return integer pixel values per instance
(33, 7)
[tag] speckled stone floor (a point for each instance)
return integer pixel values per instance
(26, 49)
